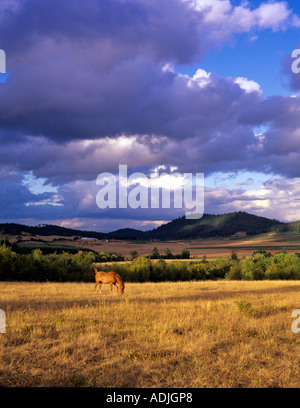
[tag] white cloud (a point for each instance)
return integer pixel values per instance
(248, 85)
(273, 15)
(277, 197)
(224, 19)
(201, 78)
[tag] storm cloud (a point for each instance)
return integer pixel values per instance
(95, 84)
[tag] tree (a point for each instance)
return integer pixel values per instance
(155, 253)
(141, 269)
(134, 254)
(37, 255)
(168, 254)
(234, 256)
(185, 254)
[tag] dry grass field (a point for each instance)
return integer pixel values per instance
(191, 334)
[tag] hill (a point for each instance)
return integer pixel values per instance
(47, 230)
(127, 233)
(224, 225)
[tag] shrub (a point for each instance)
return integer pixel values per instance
(159, 271)
(234, 272)
(245, 307)
(198, 271)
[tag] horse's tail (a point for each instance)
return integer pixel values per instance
(120, 282)
(95, 269)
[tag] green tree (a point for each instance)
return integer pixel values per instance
(168, 254)
(234, 272)
(134, 254)
(141, 269)
(185, 254)
(155, 253)
(234, 256)
(37, 255)
(8, 262)
(159, 271)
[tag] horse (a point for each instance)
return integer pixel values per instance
(108, 277)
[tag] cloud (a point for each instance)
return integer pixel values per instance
(18, 202)
(224, 19)
(270, 200)
(217, 134)
(95, 85)
(95, 70)
(248, 85)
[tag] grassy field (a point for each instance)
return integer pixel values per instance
(210, 247)
(191, 334)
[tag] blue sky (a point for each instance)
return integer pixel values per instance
(254, 56)
(199, 86)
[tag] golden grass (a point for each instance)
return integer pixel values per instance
(180, 334)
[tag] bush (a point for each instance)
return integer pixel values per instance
(159, 271)
(234, 272)
(254, 268)
(198, 271)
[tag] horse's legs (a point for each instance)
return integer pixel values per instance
(100, 286)
(111, 287)
(96, 285)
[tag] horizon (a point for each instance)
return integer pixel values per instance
(201, 87)
(124, 228)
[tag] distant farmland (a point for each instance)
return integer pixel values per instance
(209, 247)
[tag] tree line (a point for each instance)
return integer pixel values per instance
(262, 265)
(67, 267)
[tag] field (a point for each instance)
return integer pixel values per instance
(210, 247)
(170, 334)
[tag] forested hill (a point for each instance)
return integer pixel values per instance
(224, 225)
(47, 230)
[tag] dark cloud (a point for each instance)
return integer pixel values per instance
(167, 31)
(91, 86)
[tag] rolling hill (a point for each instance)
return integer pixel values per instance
(224, 225)
(47, 230)
(208, 226)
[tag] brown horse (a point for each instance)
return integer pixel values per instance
(108, 277)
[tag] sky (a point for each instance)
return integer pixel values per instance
(180, 86)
